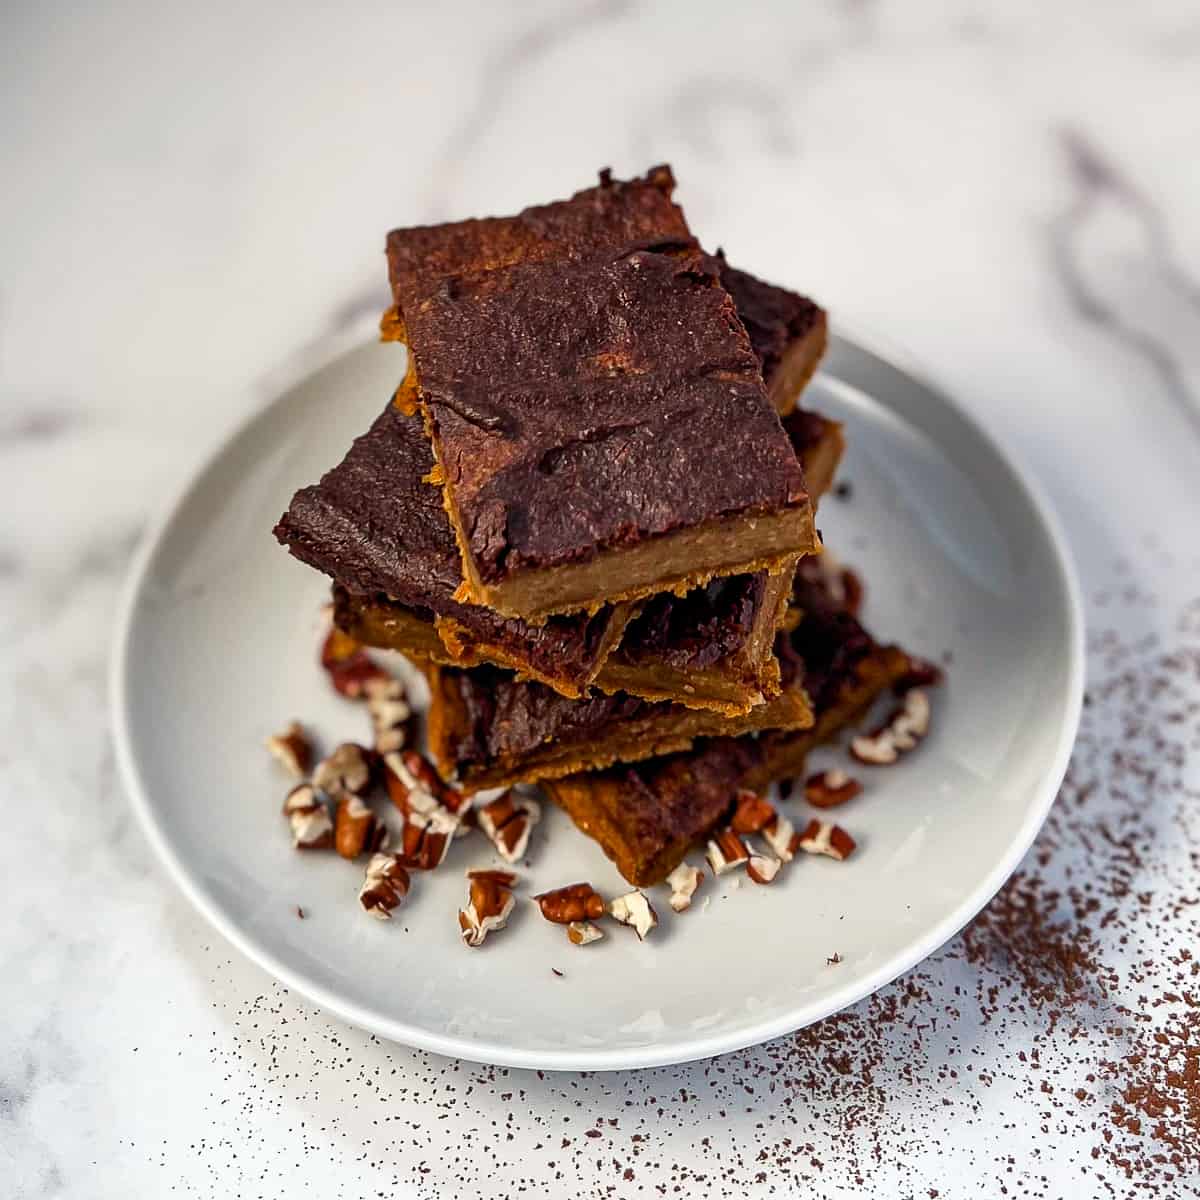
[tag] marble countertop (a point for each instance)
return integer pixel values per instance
(193, 207)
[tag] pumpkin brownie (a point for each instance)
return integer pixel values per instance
(648, 815)
(709, 649)
(487, 729)
(596, 408)
(713, 647)
(379, 529)
(789, 333)
(843, 667)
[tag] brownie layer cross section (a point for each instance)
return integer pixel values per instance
(646, 816)
(487, 729)
(711, 648)
(376, 526)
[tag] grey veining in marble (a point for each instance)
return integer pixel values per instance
(193, 206)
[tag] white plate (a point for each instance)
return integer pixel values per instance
(216, 648)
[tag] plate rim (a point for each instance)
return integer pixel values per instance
(700, 1046)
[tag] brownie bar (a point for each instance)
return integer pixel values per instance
(616, 216)
(375, 525)
(379, 529)
(712, 647)
(647, 816)
(730, 669)
(789, 333)
(843, 667)
(487, 729)
(709, 649)
(597, 409)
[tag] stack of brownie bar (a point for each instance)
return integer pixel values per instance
(588, 513)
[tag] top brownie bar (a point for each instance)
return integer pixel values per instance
(595, 404)
(378, 527)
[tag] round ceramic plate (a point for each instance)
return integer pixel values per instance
(216, 649)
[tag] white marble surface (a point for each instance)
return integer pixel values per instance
(193, 203)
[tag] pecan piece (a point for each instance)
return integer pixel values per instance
(348, 665)
(583, 933)
(634, 910)
(900, 733)
(391, 714)
(386, 885)
(489, 903)
(508, 822)
(293, 749)
(426, 837)
(752, 812)
(429, 825)
(413, 782)
(726, 852)
(762, 868)
(921, 673)
(575, 902)
(338, 647)
(828, 789)
(781, 836)
(346, 770)
(683, 882)
(819, 837)
(309, 818)
(356, 828)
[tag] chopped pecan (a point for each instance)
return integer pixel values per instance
(634, 910)
(347, 769)
(408, 790)
(386, 885)
(575, 902)
(309, 818)
(293, 749)
(338, 647)
(348, 665)
(508, 821)
(429, 825)
(356, 828)
(921, 673)
(900, 733)
(828, 789)
(426, 837)
(391, 714)
(762, 868)
(819, 837)
(683, 882)
(495, 875)
(583, 933)
(413, 782)
(752, 812)
(781, 836)
(489, 903)
(726, 852)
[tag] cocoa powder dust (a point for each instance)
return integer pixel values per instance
(1052, 1049)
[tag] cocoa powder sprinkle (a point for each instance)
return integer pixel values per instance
(1054, 1043)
